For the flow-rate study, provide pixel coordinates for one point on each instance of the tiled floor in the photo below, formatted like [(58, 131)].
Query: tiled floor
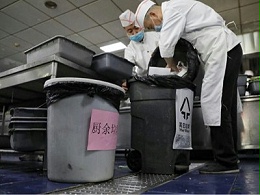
[(18, 177), (245, 182)]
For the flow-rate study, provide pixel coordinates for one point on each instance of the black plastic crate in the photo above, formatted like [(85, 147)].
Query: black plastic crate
[(254, 88), (112, 66)]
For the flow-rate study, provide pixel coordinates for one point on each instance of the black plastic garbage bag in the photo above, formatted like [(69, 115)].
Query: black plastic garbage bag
[(166, 81), (185, 53), (62, 90)]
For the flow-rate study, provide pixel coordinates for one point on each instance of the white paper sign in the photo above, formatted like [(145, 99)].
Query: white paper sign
[(184, 107), (159, 71)]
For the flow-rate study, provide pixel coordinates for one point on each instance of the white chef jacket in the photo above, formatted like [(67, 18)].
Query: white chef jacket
[(140, 53), (206, 31), (183, 16)]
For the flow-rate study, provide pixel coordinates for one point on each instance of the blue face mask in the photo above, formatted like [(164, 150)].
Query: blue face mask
[(138, 37), (157, 28)]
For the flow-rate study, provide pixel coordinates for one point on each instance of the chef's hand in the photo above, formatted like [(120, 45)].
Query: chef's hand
[(171, 64), (124, 86), (173, 68)]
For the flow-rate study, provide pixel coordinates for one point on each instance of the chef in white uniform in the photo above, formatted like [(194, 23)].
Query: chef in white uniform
[(221, 54), (141, 46)]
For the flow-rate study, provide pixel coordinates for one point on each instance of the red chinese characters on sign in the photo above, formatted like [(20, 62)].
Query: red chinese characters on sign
[(102, 133)]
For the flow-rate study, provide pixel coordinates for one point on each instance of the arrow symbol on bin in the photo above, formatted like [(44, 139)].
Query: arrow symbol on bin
[(185, 108)]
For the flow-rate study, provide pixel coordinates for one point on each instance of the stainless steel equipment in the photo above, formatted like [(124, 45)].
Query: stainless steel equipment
[(248, 123)]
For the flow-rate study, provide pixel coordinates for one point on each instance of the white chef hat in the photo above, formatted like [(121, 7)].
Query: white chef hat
[(141, 11), (127, 18)]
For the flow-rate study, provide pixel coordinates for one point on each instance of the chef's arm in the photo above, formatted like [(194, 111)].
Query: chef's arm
[(171, 64)]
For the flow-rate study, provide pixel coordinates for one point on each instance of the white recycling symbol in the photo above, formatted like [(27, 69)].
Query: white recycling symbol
[(185, 108)]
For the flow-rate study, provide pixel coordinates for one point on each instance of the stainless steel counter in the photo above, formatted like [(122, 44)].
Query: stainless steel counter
[(25, 82)]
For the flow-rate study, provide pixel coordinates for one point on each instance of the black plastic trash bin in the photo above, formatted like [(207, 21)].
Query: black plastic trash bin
[(159, 107), (153, 127)]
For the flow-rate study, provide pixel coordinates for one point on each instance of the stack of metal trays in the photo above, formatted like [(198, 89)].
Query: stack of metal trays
[(27, 129)]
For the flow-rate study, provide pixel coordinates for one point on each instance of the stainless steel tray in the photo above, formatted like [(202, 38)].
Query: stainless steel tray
[(17, 118), (28, 112), (62, 47), (28, 124)]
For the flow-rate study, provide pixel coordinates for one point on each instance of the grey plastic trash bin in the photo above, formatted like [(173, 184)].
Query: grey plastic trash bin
[(69, 117)]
